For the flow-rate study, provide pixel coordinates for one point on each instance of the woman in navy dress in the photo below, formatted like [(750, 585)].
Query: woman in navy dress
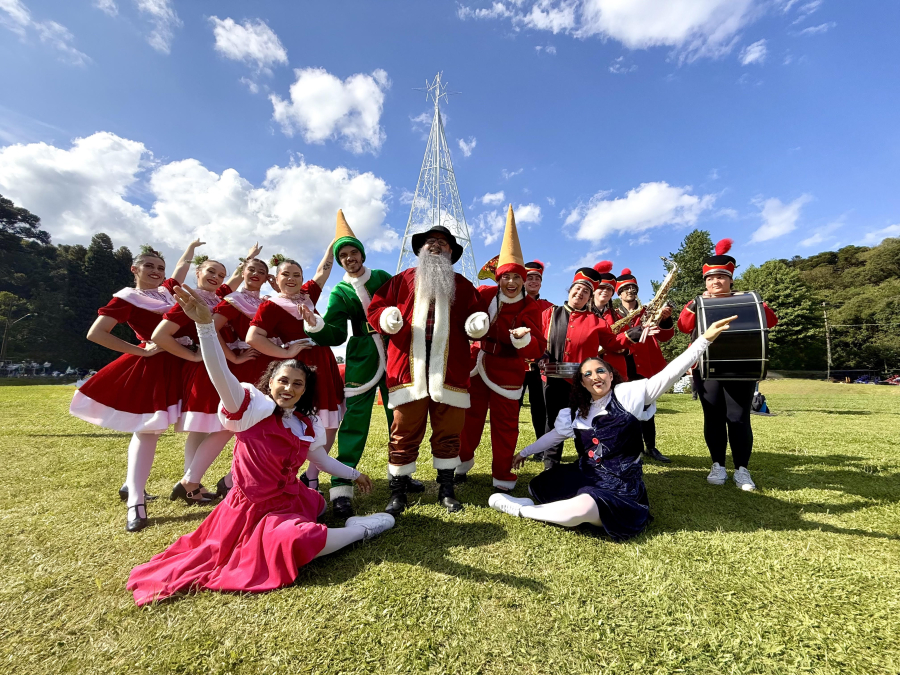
[(605, 486)]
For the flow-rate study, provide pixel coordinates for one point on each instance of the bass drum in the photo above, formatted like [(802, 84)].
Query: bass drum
[(742, 351)]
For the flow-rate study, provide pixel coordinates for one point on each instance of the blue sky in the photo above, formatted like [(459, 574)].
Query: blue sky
[(614, 128)]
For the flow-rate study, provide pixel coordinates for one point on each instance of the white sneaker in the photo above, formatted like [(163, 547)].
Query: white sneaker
[(506, 504), (373, 525), (743, 480), (717, 475)]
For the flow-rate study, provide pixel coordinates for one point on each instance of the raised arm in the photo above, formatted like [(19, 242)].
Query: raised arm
[(323, 271), (183, 266)]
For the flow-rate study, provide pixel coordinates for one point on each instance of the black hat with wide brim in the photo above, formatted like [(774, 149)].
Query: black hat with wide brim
[(418, 241)]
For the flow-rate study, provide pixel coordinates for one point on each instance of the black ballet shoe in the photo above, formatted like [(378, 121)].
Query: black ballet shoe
[(123, 495), (415, 486), (656, 455), (342, 507), (311, 483), (136, 523), (221, 489), (192, 498), (446, 496), (502, 490), (211, 496), (459, 478)]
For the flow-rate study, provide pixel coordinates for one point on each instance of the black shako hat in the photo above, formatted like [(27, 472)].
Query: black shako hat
[(418, 241)]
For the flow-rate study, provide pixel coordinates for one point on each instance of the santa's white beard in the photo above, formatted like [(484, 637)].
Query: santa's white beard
[(435, 277)]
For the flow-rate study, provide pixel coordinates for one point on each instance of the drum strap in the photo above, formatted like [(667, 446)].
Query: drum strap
[(559, 327)]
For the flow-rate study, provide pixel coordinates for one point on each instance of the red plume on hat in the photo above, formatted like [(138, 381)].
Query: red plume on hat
[(720, 263), (723, 246), (604, 266), (625, 272)]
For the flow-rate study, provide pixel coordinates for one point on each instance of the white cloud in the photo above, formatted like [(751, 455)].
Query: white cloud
[(108, 6), (490, 225), (778, 218), (589, 259), (250, 42), (496, 11), (467, 147), (15, 16), (618, 67), (823, 234), (821, 28), (876, 237), (509, 174), (730, 213), (557, 16), (755, 53), (805, 10), (162, 16), (551, 201), (548, 49), (321, 107), (493, 198), (650, 205), (86, 189), (406, 197)]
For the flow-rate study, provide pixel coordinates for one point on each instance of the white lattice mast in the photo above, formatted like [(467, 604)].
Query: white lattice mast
[(436, 201)]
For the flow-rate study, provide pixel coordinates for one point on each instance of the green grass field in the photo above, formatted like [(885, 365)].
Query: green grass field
[(801, 576)]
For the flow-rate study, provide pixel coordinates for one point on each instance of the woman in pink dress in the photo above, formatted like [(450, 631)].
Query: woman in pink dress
[(140, 391), (279, 317), (266, 528)]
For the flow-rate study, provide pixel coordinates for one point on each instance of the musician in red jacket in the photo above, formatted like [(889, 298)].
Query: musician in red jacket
[(534, 385), (429, 313), (726, 403), (644, 359), (498, 366), (603, 307)]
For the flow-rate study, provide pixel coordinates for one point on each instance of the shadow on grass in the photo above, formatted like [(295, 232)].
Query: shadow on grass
[(421, 541), (681, 499), (667, 411), (111, 434), (830, 412)]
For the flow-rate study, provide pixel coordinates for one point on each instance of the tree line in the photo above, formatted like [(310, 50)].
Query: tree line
[(62, 286)]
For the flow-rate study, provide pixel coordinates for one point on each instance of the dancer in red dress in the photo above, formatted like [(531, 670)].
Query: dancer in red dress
[(266, 528), (140, 391), (205, 434), (279, 317)]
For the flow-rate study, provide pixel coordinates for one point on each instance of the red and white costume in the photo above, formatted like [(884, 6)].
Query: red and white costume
[(647, 355), (574, 335), (497, 377), (139, 394), (240, 308), (281, 319)]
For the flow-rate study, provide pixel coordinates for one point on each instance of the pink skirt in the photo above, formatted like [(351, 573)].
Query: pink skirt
[(241, 546), (133, 393), (329, 387)]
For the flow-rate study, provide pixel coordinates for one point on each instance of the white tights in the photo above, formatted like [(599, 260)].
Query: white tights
[(567, 512), (200, 451), (312, 471), (339, 537), (141, 451)]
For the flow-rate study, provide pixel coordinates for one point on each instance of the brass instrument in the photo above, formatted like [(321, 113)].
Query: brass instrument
[(653, 309)]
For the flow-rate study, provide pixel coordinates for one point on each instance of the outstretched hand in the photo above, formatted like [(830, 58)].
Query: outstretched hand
[(192, 304), (719, 327), (254, 251), (308, 315), (364, 483), (518, 461)]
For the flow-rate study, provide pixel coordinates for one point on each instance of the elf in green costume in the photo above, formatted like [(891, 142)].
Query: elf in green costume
[(365, 359)]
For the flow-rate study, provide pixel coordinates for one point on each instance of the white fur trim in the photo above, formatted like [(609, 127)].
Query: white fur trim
[(440, 338), (391, 320), (446, 463), (457, 399), (402, 470), (465, 467), (86, 408), (359, 285), (206, 423), (505, 484), (511, 394), (477, 325), (340, 491), (506, 300), (314, 328), (522, 342), (360, 282)]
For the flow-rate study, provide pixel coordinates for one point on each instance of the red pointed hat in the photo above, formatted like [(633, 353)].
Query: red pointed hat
[(587, 276), (720, 263), (604, 269), (624, 279)]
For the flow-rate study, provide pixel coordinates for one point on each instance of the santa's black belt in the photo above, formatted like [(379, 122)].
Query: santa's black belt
[(499, 349)]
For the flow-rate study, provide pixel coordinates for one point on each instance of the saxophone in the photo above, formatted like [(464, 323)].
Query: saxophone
[(653, 309)]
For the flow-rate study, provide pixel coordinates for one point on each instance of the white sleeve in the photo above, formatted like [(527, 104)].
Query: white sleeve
[(320, 458), (254, 408), (230, 390), (562, 429)]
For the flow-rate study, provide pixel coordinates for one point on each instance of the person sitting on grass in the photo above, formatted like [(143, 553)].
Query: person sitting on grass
[(265, 529), (605, 487)]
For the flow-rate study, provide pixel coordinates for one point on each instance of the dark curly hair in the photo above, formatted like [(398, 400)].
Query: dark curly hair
[(306, 405), (580, 398)]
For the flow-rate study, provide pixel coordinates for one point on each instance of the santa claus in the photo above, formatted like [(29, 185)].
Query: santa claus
[(429, 313)]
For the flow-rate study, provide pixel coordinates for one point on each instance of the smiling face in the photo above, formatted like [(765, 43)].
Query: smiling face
[(628, 293), (210, 275), (718, 284), (437, 244), (511, 284), (149, 272), (286, 386), (533, 283), (255, 274), (579, 295), (290, 278), (596, 377), (602, 295), (350, 258)]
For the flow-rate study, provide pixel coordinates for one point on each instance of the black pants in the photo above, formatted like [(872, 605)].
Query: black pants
[(556, 396), (534, 385), (726, 417)]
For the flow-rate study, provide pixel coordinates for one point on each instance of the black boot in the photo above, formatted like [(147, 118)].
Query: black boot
[(460, 478), (415, 485), (446, 496), (342, 507), (656, 455), (399, 487)]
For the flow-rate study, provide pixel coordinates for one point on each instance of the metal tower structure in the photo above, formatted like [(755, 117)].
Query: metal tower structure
[(436, 201)]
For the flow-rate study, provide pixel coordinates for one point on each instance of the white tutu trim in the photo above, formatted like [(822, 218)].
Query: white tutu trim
[(331, 419), (91, 411), (206, 423)]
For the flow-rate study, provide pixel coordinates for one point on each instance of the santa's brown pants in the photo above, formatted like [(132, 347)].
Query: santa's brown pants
[(408, 430)]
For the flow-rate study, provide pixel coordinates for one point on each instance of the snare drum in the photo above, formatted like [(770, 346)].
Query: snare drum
[(742, 351), (562, 369)]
